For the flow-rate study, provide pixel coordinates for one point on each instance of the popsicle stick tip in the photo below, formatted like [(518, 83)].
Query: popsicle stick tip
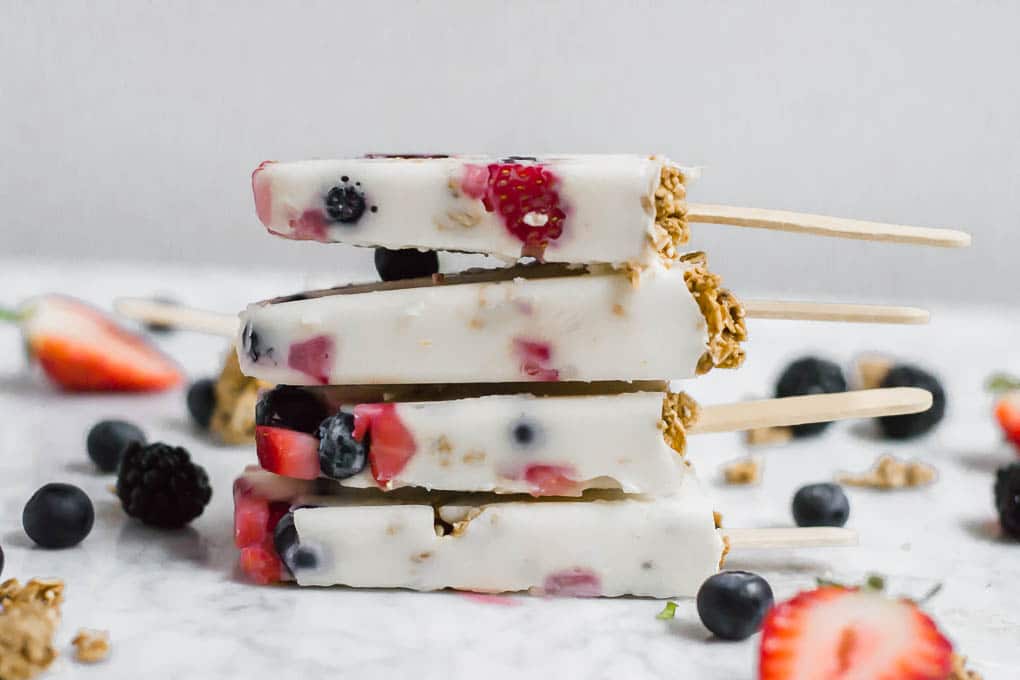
[(832, 311), (176, 316), (822, 225)]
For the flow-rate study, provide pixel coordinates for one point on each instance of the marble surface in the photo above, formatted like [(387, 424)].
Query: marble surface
[(175, 604)]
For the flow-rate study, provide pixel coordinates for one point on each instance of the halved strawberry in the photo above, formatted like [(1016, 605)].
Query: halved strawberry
[(81, 349), (850, 634), (287, 452), (1007, 411), (392, 444)]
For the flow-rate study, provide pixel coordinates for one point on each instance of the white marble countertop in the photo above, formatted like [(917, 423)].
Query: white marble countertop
[(175, 605)]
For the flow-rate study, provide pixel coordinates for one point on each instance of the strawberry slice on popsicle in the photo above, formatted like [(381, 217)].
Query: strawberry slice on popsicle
[(83, 350)]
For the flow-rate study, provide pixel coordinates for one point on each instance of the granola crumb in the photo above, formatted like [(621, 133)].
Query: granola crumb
[(233, 418), (890, 472), (870, 370), (679, 412), (723, 313), (743, 471), (725, 551), (91, 646), (717, 519), (959, 670), (766, 436), (670, 229), (28, 621)]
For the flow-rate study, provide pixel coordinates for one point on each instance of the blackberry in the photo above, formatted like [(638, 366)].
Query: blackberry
[(810, 375), (345, 203), (292, 408), (406, 263), (913, 424), (1007, 498), (159, 485), (340, 454)]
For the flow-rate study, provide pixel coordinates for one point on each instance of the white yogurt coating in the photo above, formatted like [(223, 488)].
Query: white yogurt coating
[(421, 203), (522, 444), (629, 545), (578, 328)]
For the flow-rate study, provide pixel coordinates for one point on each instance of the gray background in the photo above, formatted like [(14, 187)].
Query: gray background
[(128, 129)]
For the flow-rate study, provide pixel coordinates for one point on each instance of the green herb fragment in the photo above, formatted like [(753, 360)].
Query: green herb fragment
[(1002, 382), (668, 612), (10, 315), (874, 582)]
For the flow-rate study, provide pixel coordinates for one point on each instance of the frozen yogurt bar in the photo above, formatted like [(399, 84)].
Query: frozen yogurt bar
[(507, 444), (605, 544), (544, 323), (581, 209)]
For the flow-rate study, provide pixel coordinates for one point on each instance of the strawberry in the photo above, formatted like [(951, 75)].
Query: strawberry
[(551, 480), (261, 564), (525, 196), (313, 357), (835, 633), (83, 350), (287, 452), (1007, 411), (391, 444), (255, 519)]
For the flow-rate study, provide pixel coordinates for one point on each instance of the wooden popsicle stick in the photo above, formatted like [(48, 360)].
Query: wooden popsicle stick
[(826, 311), (811, 408), (790, 537), (176, 316), (820, 225)]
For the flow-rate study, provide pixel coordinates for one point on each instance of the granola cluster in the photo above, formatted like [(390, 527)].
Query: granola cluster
[(890, 472), (743, 471), (679, 411), (723, 315), (29, 616), (671, 229), (233, 419)]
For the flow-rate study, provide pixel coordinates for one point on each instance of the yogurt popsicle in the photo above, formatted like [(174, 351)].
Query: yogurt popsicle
[(623, 209), (606, 544), (507, 444), (564, 325)]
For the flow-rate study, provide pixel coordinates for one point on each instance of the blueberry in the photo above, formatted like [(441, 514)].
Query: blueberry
[(292, 408), (1, 560), (340, 454), (733, 604), (525, 432), (516, 159), (288, 546), (107, 441), (251, 343), (58, 516), (202, 401), (913, 424), (408, 263), (810, 375), (345, 203), (820, 505), (1007, 498)]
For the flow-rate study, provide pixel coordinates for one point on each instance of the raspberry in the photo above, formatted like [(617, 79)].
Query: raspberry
[(525, 196)]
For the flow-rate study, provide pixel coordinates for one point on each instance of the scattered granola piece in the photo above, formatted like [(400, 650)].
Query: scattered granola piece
[(233, 417), (743, 471), (91, 646), (870, 370), (890, 472), (960, 671), (28, 620), (767, 436)]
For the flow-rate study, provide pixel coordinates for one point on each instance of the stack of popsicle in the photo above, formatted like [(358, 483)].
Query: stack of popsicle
[(512, 428)]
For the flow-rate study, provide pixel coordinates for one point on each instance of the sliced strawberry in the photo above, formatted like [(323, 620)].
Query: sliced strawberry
[(392, 444), (851, 635), (251, 515), (576, 582), (551, 480), (261, 564), (1007, 411), (313, 357), (81, 349), (287, 452)]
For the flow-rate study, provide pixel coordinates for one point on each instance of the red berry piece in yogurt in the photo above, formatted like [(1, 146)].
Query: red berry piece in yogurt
[(313, 357)]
